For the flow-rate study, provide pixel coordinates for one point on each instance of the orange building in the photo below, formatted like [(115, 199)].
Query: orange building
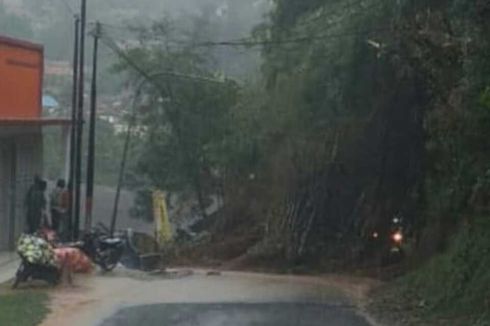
[(21, 124)]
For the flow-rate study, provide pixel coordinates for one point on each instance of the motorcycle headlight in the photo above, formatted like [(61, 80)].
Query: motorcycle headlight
[(397, 237)]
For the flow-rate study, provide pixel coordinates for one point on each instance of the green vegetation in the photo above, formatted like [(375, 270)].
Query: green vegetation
[(364, 110), (23, 308), (189, 117), (452, 286), (458, 281)]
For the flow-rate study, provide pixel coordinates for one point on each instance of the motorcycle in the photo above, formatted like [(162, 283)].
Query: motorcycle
[(102, 248), (397, 237), (37, 261), (390, 245), (27, 271)]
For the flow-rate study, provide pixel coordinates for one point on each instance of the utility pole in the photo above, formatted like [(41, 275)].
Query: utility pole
[(91, 141), (74, 125), (81, 75)]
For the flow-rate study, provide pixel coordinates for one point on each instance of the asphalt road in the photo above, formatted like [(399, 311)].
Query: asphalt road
[(264, 314), (104, 204), (197, 298)]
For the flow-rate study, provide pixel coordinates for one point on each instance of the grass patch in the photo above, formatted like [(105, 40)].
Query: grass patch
[(22, 307)]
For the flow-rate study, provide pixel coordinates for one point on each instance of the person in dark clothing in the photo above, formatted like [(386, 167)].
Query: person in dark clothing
[(58, 206), (29, 205), (35, 203)]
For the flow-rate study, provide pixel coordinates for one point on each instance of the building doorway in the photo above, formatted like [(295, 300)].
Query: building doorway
[(7, 195)]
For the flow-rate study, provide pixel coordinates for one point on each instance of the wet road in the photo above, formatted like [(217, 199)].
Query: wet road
[(127, 298), (264, 314)]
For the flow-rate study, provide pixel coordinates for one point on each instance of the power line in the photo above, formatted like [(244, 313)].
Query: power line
[(111, 44), (251, 42), (300, 23), (243, 42), (247, 41), (305, 39)]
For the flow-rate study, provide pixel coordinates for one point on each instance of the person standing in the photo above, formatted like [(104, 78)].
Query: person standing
[(57, 202), (35, 203), (65, 208)]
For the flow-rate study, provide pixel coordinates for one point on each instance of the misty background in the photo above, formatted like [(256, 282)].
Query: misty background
[(51, 23)]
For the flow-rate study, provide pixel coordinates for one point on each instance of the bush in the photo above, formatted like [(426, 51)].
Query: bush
[(457, 282)]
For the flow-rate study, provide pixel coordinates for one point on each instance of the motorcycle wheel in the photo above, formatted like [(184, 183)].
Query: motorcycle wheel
[(16, 283), (54, 277), (110, 260), (108, 267), (53, 281), (19, 276)]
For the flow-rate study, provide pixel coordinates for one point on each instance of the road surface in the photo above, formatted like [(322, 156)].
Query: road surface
[(241, 299), (243, 314)]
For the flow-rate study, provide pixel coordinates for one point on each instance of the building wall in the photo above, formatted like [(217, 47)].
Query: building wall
[(21, 68), (5, 193), (20, 160)]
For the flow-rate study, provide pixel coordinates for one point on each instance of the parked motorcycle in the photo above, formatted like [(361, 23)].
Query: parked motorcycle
[(28, 271), (37, 261), (101, 248)]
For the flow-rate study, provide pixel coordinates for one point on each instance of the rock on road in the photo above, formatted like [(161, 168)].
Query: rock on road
[(231, 298)]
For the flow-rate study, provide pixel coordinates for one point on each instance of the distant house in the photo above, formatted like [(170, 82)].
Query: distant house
[(21, 123), (58, 68), (51, 107), (50, 102)]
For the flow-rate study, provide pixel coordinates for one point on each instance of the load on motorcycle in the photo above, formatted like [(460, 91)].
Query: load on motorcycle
[(36, 250), (44, 259), (38, 261)]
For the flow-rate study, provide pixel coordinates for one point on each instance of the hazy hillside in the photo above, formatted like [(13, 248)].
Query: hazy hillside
[(50, 22)]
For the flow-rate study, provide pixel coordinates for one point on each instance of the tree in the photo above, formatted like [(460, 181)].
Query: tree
[(183, 118)]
